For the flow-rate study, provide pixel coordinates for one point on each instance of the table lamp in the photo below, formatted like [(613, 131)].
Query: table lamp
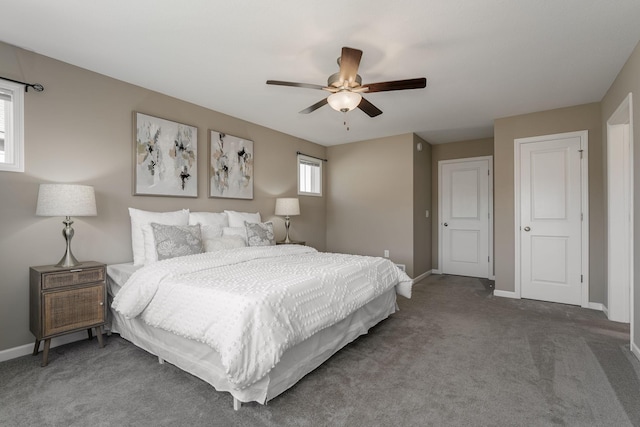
[(287, 207), (66, 200)]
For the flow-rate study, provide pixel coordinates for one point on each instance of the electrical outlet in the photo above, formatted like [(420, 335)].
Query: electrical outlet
[(427, 214), (386, 253)]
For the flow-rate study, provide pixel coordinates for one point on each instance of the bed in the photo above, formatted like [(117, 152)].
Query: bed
[(252, 321)]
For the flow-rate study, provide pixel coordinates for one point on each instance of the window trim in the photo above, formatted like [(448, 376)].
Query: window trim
[(307, 159), (15, 142)]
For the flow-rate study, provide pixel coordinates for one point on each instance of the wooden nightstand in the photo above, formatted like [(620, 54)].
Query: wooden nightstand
[(64, 300), (293, 242)]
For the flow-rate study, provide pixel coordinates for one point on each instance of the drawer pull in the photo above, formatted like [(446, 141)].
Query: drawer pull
[(101, 303)]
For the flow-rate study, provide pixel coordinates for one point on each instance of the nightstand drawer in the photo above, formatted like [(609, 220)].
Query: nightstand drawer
[(72, 277), (72, 309)]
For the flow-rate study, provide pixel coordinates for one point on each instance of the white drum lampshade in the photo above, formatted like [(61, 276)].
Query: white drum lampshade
[(66, 200), (287, 207)]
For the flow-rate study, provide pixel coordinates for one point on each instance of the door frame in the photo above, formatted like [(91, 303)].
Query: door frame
[(490, 204), (584, 195), (623, 116)]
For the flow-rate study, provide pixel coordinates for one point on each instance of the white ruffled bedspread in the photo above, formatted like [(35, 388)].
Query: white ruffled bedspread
[(251, 304)]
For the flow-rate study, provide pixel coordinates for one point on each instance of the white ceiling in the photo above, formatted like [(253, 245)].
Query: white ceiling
[(483, 59)]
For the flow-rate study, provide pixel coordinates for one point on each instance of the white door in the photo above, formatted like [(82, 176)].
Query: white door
[(464, 217), (550, 219)]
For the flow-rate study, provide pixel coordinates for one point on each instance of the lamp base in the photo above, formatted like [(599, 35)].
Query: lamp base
[(68, 260), (287, 222)]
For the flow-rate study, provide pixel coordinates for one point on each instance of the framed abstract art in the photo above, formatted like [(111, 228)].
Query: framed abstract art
[(165, 157), (230, 166)]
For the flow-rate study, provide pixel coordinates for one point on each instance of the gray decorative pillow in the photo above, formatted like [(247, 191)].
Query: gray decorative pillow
[(260, 234), (177, 240)]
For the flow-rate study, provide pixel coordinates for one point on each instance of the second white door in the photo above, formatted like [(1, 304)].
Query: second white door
[(551, 218), (464, 220)]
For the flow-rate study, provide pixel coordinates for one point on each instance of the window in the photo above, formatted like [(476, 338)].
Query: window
[(11, 126), (309, 176)]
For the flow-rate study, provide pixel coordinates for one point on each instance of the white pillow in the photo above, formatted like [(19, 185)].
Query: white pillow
[(235, 231), (237, 219), (224, 242), (141, 219), (218, 219), (210, 231)]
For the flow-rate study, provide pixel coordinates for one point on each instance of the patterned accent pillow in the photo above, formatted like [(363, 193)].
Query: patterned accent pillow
[(140, 221), (177, 240), (260, 234)]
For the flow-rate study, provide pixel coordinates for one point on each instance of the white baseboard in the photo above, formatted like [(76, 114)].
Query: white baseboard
[(420, 277), (23, 350), (605, 310), (596, 306), (635, 350), (506, 294)]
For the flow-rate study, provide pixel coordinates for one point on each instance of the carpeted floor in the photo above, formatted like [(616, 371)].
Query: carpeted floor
[(454, 355)]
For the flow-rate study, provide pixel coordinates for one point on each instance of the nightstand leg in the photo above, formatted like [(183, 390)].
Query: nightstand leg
[(45, 353), (36, 348), (90, 334), (99, 335)]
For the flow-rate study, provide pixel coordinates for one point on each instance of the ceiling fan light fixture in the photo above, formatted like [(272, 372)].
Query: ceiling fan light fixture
[(346, 86), (344, 100)]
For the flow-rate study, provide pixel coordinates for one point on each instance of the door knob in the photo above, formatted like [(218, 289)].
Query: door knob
[(446, 225), (527, 228)]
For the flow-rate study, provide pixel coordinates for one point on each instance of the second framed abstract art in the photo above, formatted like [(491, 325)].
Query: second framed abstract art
[(230, 166)]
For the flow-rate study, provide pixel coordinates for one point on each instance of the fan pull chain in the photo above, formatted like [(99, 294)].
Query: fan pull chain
[(345, 121)]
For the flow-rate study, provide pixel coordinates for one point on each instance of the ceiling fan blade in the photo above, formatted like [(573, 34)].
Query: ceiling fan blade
[(293, 84), (370, 109), (349, 63), (315, 106), (397, 85)]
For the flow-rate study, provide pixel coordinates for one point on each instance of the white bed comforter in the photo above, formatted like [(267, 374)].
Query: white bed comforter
[(251, 304)]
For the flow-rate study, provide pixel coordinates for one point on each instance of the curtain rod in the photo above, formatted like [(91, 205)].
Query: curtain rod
[(313, 157), (36, 86)]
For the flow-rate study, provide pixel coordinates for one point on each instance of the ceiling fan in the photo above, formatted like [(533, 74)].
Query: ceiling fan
[(346, 86)]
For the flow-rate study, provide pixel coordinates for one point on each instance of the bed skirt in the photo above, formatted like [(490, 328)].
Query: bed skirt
[(203, 362)]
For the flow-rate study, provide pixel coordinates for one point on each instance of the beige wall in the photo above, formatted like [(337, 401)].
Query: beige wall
[(628, 80), (370, 198), (421, 204), (581, 117), (79, 130), (450, 151)]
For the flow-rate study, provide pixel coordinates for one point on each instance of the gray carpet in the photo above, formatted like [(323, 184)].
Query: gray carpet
[(454, 355)]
